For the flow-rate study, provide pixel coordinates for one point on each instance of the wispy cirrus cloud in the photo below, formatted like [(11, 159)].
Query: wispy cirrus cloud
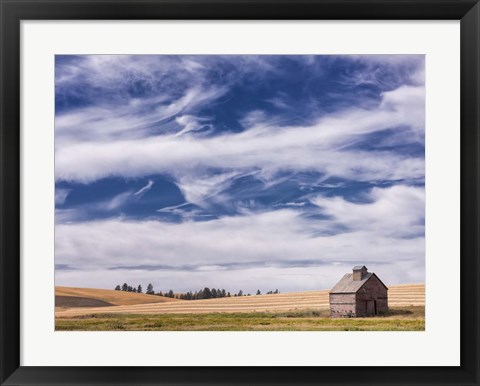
[(373, 233), (144, 189), (61, 195), (234, 169), (320, 147)]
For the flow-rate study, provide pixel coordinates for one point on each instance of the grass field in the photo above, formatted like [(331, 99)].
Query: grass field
[(398, 319), (300, 311)]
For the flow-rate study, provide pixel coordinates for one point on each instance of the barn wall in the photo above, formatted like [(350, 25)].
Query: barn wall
[(360, 308), (355, 305), (382, 305), (372, 290), (342, 305)]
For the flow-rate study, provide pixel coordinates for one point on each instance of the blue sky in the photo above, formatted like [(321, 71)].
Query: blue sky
[(240, 172)]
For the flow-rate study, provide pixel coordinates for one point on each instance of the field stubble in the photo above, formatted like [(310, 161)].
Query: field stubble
[(297, 311), (400, 295)]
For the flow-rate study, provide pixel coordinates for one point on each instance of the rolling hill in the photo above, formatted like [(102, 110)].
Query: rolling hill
[(73, 297), (131, 303)]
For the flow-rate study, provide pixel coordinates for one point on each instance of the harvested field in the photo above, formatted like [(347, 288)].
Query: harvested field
[(113, 298), (76, 301), (399, 296)]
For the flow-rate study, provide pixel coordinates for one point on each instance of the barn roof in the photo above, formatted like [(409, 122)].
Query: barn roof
[(348, 285)]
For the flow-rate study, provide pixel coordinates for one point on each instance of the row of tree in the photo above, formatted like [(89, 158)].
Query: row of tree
[(205, 293), (128, 288)]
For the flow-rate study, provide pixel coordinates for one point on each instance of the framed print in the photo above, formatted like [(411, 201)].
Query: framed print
[(236, 193)]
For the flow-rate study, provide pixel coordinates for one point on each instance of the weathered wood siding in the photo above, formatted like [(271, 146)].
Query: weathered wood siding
[(372, 290), (356, 304), (342, 305)]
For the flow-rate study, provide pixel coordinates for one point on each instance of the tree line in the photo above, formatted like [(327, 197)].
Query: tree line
[(205, 293), (128, 288)]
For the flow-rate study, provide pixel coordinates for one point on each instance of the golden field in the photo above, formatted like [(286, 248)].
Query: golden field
[(295, 311), (68, 297), (131, 303)]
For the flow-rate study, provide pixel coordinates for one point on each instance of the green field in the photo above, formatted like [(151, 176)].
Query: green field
[(397, 319)]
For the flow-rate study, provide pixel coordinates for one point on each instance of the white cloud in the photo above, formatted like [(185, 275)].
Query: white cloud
[(157, 133), (61, 195), (84, 211), (323, 147), (205, 189), (247, 279), (119, 71), (383, 71), (192, 124), (107, 71), (172, 208), (130, 120), (397, 211), (408, 101), (163, 132), (256, 243), (146, 188), (116, 202)]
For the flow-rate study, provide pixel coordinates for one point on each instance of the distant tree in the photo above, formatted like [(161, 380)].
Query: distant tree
[(118, 288), (134, 289), (276, 291), (207, 294), (139, 289), (129, 288), (150, 289), (124, 287)]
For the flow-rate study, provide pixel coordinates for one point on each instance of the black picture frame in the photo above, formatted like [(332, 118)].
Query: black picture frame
[(14, 11)]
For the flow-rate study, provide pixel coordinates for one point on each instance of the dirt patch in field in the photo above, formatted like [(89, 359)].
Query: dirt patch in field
[(75, 301)]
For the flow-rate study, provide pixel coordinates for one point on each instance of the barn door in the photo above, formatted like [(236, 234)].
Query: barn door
[(370, 307)]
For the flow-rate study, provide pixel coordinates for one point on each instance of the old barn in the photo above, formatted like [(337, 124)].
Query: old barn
[(360, 293)]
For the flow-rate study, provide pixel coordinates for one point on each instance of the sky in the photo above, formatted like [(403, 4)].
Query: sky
[(238, 171)]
